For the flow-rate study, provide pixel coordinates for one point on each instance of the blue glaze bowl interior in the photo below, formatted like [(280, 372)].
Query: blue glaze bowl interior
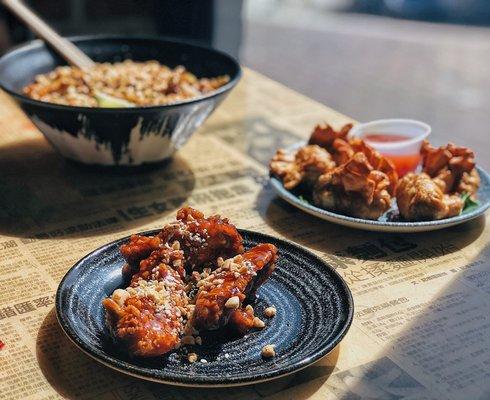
[(118, 136)]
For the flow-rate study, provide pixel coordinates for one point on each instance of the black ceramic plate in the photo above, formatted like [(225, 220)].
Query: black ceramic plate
[(314, 312)]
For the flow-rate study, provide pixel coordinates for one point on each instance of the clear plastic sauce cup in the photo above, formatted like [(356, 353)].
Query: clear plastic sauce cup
[(397, 139)]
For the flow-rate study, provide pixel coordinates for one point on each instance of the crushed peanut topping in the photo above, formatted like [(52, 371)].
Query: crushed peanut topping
[(268, 351), (167, 281), (270, 312), (142, 83), (233, 302), (120, 296), (258, 323)]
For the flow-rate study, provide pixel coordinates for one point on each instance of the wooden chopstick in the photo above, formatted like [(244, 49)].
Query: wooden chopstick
[(63, 46)]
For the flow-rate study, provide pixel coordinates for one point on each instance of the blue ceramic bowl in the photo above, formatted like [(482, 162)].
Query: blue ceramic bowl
[(118, 136)]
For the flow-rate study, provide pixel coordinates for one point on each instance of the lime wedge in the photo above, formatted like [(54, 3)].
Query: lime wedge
[(107, 101)]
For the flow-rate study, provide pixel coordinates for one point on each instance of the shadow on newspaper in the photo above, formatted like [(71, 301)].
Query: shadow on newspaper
[(74, 375), (43, 196), (422, 299)]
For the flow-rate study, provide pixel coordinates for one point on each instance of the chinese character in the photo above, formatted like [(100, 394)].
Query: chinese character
[(24, 307), (7, 312), (354, 275), (338, 261), (43, 302), (159, 207), (366, 251), (222, 194), (138, 212), (377, 269)]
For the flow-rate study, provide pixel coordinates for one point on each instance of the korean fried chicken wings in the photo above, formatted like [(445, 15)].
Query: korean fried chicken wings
[(138, 248), (151, 315), (148, 315), (303, 167), (420, 198), (203, 240), (226, 288), (354, 188), (451, 167)]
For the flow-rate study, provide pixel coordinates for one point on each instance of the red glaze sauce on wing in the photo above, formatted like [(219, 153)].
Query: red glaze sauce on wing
[(179, 283)]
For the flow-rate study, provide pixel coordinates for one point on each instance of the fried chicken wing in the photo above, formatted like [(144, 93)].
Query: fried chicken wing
[(152, 315), (303, 167), (203, 240), (451, 167), (241, 320), (420, 198), (147, 316), (354, 188), (223, 292), (138, 248)]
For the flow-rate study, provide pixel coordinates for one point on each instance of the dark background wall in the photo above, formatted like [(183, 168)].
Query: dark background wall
[(208, 22)]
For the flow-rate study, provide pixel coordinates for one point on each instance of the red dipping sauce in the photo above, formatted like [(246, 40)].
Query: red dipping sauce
[(385, 137), (404, 163)]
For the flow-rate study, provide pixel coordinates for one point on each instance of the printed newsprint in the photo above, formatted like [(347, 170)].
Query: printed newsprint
[(422, 324)]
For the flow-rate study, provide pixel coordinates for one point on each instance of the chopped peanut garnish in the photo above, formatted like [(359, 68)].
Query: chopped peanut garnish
[(268, 351), (258, 323), (146, 83), (233, 302), (120, 296), (270, 312)]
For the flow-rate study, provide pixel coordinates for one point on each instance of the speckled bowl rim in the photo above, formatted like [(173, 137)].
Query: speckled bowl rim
[(203, 381), (37, 43), (366, 223)]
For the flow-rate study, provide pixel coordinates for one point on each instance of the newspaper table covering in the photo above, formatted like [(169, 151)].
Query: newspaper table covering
[(421, 328)]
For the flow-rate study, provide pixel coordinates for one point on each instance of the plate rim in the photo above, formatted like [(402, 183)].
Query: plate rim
[(375, 224), (202, 380)]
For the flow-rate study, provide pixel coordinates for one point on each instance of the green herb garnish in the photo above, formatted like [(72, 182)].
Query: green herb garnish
[(469, 203), (301, 198)]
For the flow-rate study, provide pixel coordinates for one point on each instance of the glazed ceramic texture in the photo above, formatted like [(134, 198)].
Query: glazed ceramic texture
[(118, 136), (314, 312)]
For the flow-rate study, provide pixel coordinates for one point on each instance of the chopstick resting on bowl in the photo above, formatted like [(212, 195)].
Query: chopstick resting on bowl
[(63, 47)]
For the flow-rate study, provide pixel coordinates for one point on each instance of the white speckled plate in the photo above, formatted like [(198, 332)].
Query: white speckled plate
[(383, 224)]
